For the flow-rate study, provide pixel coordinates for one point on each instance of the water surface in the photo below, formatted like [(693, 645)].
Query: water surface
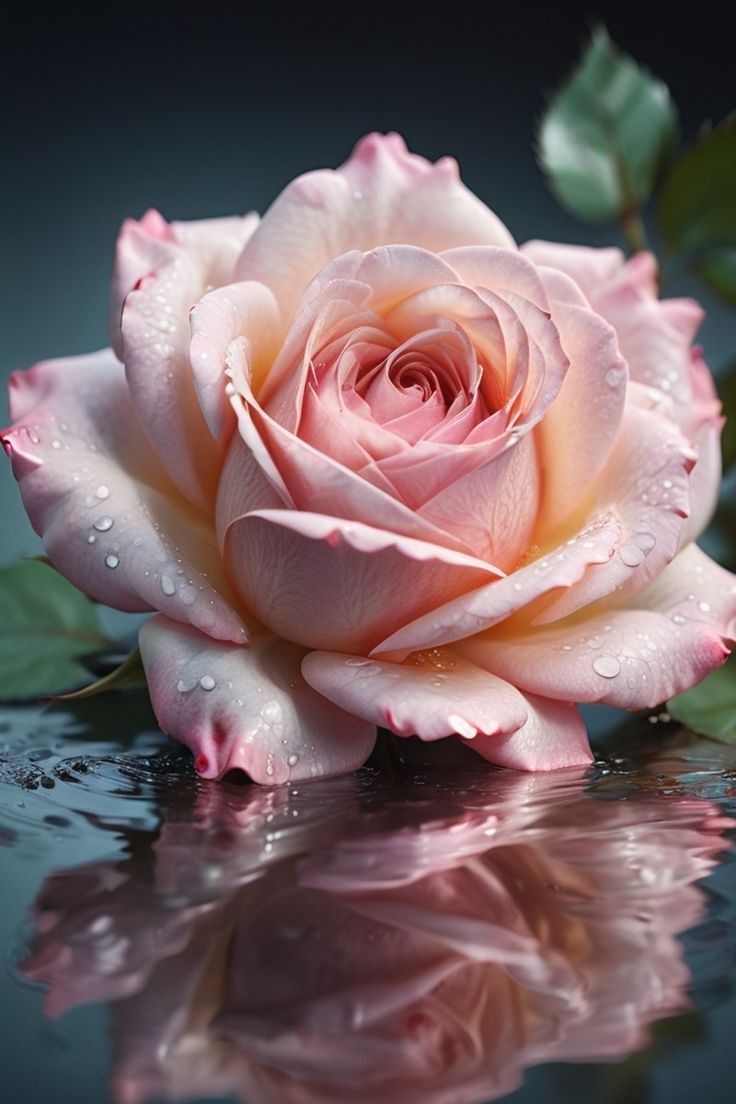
[(413, 934)]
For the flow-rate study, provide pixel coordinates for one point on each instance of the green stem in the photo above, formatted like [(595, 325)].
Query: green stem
[(634, 232)]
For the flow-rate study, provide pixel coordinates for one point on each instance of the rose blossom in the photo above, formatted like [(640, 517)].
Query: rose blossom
[(426, 952), (374, 465)]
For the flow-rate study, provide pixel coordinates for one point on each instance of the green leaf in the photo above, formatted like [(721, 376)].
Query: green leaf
[(696, 210), (606, 133), (718, 268), (126, 675), (46, 626), (710, 709)]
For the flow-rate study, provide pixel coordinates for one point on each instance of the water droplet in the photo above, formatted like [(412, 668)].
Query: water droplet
[(91, 538), (207, 682), (33, 437), (56, 444), (185, 685), (606, 665), (111, 560), (631, 554), (168, 585), (138, 542), (358, 662), (103, 492), (678, 619), (517, 586), (645, 541), (102, 524), (271, 711), (293, 760), (614, 376), (704, 607)]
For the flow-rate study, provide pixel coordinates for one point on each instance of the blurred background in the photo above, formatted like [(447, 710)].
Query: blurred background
[(210, 110)]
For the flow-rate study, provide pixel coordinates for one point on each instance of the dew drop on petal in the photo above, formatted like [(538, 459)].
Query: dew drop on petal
[(606, 665), (103, 492), (168, 585), (631, 554), (111, 560), (207, 682), (102, 524), (293, 760)]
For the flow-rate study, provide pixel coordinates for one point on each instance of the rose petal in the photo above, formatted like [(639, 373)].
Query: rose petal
[(590, 268), (492, 509), (145, 245), (247, 708), (155, 346), (248, 311), (382, 195), (646, 485), (96, 493), (314, 481), (703, 425), (498, 270), (633, 658), (497, 600), (446, 696), (579, 428), (331, 583)]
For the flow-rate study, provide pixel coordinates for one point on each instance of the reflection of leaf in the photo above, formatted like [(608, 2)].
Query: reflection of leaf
[(696, 209), (606, 133), (46, 626), (126, 675), (718, 268), (710, 709)]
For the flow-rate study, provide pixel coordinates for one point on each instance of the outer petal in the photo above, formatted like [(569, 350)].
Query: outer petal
[(146, 244), (96, 493), (580, 427), (497, 600), (590, 268), (331, 583), (155, 343), (451, 696), (703, 426), (646, 486), (382, 195), (247, 708), (634, 658)]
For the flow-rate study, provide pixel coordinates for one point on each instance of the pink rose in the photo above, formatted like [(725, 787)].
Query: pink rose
[(374, 465), (421, 951)]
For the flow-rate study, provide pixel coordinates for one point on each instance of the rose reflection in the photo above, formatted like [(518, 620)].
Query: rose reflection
[(340, 943)]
